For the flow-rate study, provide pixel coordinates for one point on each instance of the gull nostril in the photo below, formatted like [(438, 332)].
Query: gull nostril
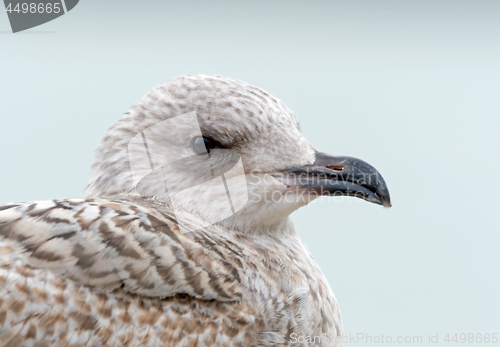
[(336, 167)]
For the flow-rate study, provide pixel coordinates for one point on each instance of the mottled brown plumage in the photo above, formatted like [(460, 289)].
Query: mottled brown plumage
[(118, 272)]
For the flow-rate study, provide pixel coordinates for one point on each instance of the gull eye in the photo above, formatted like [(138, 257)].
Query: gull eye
[(202, 145)]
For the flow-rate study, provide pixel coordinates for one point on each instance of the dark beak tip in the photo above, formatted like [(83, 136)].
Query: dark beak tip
[(382, 193), (385, 199)]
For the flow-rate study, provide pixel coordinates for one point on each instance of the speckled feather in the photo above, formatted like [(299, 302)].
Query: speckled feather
[(113, 269)]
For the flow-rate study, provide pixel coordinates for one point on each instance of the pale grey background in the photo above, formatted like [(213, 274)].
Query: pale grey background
[(410, 86)]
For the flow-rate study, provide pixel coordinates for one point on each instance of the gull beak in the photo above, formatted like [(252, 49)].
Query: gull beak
[(339, 175)]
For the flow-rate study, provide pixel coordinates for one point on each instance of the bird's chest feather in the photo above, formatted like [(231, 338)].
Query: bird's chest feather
[(292, 293)]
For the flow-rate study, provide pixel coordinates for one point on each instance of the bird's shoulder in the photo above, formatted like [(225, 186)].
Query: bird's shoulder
[(121, 243)]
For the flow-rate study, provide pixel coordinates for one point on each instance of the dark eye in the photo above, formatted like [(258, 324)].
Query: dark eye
[(202, 145)]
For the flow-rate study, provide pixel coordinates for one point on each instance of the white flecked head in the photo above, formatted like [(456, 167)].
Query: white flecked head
[(239, 117)]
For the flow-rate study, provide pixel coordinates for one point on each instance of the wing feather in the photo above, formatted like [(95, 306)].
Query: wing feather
[(108, 244)]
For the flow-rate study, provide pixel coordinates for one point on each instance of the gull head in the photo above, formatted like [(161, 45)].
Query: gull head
[(225, 152)]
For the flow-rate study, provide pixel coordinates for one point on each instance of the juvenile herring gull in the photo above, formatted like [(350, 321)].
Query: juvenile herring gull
[(184, 236)]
